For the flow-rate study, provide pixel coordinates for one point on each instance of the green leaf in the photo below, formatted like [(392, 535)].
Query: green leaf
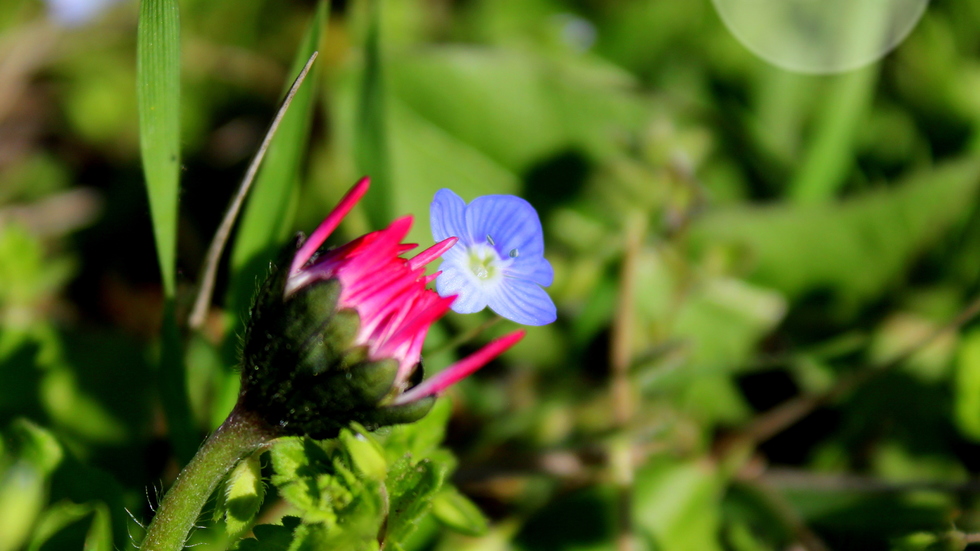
[(459, 513), (487, 98), (365, 453), (411, 487), (30, 455), (422, 438), (242, 496), (303, 474), (268, 214), (271, 537), (370, 132), (158, 96), (830, 156), (967, 404), (317, 478), (316, 537), (64, 514), (856, 247), (677, 503), (172, 378)]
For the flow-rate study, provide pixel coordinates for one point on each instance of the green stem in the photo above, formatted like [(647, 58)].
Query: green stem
[(241, 434)]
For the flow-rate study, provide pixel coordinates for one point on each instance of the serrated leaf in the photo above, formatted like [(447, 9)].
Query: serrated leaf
[(302, 474), (243, 495), (411, 487), (270, 537), (459, 513), (317, 478), (269, 211), (316, 537), (158, 96), (366, 454)]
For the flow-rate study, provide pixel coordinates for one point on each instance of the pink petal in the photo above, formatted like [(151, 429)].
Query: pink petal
[(461, 369), (431, 253), (424, 317), (329, 224)]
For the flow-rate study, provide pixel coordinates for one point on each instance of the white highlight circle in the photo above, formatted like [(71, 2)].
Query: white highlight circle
[(820, 36)]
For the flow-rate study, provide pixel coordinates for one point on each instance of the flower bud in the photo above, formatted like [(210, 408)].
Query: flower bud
[(335, 335)]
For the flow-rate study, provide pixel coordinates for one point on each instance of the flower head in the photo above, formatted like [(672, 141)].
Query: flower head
[(499, 258), (73, 13), (336, 335)]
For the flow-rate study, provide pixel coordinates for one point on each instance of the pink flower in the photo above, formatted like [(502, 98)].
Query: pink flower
[(378, 350)]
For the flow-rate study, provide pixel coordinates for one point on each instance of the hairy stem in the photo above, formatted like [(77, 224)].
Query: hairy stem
[(241, 434)]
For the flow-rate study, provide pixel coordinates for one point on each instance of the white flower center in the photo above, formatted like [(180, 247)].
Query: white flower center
[(485, 263)]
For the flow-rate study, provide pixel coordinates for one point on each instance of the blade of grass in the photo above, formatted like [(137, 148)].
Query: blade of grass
[(370, 138), (268, 214), (830, 156), (158, 96), (224, 230)]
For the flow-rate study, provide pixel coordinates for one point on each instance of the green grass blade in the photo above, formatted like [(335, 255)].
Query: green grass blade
[(370, 138), (268, 214), (158, 96), (210, 269), (830, 156)]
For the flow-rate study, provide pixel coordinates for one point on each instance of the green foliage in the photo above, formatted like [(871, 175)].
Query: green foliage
[(242, 496), (412, 485), (30, 455), (63, 514), (158, 93), (968, 386), (456, 511), (677, 504), (371, 132), (803, 248), (804, 233), (268, 215), (357, 491)]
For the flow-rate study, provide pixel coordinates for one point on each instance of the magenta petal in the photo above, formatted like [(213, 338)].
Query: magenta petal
[(431, 253), (329, 224), (461, 369)]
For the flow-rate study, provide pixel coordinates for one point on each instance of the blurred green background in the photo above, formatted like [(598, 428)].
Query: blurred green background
[(766, 281)]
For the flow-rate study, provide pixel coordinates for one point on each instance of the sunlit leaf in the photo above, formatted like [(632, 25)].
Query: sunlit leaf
[(158, 93)]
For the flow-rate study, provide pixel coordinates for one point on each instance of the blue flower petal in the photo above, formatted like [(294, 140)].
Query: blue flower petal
[(510, 227), (454, 280), (447, 214), (536, 269), (522, 301), (511, 222)]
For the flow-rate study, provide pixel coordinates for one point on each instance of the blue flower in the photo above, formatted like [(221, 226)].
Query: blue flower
[(74, 13), (499, 259)]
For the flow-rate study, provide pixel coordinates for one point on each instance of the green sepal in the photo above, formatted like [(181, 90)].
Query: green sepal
[(371, 381), (398, 415), (331, 346)]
